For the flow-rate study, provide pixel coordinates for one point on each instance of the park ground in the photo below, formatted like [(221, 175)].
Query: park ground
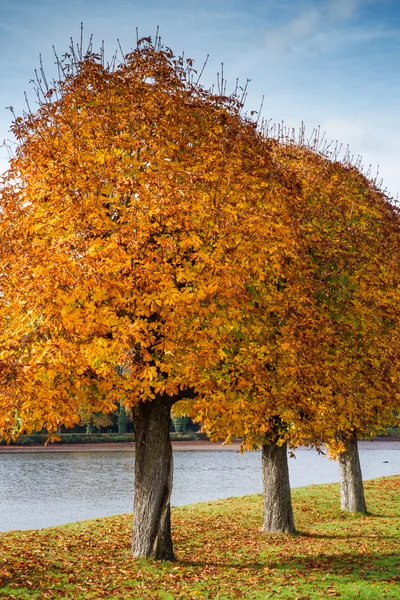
[(221, 553)]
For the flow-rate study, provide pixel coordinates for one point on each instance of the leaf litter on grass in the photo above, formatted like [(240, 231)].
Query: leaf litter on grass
[(222, 554)]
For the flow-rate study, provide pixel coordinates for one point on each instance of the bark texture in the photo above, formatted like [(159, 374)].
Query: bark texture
[(151, 536), (351, 484), (278, 511)]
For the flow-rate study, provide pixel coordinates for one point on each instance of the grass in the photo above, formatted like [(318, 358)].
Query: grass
[(222, 555)]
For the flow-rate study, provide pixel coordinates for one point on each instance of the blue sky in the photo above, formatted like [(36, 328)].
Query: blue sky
[(328, 63)]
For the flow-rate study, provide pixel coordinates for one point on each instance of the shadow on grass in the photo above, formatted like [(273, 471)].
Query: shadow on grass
[(345, 536), (365, 565), (366, 568), (369, 567)]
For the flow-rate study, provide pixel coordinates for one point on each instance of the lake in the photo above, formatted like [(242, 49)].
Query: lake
[(42, 489)]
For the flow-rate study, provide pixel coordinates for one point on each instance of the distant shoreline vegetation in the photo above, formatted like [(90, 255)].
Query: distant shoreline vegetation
[(39, 439)]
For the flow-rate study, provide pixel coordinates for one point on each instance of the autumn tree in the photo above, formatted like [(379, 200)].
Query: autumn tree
[(137, 224), (259, 394), (156, 247), (95, 420), (328, 370), (352, 231)]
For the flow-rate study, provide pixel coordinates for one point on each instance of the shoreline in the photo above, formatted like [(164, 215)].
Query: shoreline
[(177, 446), (185, 445)]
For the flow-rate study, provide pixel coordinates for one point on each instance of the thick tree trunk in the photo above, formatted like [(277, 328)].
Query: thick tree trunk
[(351, 484), (278, 511), (151, 537)]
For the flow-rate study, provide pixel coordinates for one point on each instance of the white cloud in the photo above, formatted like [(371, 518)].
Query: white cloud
[(286, 37), (341, 9), (319, 26)]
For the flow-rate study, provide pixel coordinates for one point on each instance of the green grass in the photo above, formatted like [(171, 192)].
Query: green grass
[(222, 555)]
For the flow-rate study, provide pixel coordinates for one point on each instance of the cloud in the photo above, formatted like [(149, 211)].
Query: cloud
[(339, 10), (282, 40), (309, 28)]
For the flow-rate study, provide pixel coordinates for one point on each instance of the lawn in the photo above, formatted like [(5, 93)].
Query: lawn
[(221, 553)]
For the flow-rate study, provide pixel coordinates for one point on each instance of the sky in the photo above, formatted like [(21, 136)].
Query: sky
[(332, 64)]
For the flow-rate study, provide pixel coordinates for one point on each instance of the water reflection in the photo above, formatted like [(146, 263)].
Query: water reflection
[(44, 489)]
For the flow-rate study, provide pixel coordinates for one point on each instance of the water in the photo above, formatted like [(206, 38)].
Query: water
[(43, 489)]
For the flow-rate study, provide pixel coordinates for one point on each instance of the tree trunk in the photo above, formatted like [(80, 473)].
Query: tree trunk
[(351, 484), (278, 511), (151, 536), (121, 418)]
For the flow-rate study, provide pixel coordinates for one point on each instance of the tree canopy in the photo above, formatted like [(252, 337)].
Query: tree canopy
[(322, 364), (138, 221), (156, 246), (154, 241)]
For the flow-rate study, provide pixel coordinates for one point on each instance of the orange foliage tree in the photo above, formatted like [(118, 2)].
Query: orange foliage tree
[(137, 225), (352, 231), (321, 365), (156, 247)]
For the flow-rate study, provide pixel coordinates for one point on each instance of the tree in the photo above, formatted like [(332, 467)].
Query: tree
[(329, 371), (352, 497), (352, 230), (156, 247), (258, 395), (136, 225), (94, 421), (122, 418)]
